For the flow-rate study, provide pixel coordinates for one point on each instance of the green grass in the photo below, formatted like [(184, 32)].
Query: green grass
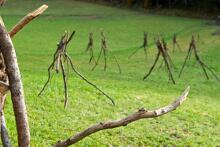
[(195, 123)]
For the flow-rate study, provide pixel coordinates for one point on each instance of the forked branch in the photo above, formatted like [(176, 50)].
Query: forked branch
[(140, 114), (28, 18)]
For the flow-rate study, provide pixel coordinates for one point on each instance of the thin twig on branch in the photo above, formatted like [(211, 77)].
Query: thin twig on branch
[(28, 18), (140, 114)]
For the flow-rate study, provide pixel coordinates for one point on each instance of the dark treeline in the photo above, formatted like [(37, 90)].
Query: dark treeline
[(210, 6)]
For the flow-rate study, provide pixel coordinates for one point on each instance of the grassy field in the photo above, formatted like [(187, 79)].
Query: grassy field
[(196, 123)]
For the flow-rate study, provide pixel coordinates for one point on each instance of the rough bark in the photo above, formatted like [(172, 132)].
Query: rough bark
[(140, 114), (16, 88)]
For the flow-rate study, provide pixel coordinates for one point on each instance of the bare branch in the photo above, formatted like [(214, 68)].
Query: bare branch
[(16, 87), (140, 114), (28, 18)]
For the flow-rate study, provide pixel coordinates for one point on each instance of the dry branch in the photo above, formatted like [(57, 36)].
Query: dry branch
[(89, 48), (16, 87), (28, 18), (192, 47), (175, 43), (162, 51), (105, 51), (60, 57), (144, 46), (140, 114)]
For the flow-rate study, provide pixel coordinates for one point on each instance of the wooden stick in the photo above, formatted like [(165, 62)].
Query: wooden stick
[(87, 81), (16, 87), (28, 18), (153, 66), (140, 114), (4, 87)]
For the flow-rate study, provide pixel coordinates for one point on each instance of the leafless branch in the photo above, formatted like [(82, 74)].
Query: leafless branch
[(105, 52), (59, 58), (16, 87), (28, 18), (144, 46), (192, 47), (162, 50), (140, 114)]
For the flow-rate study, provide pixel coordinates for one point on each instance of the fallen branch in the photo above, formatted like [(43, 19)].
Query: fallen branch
[(140, 114), (28, 18)]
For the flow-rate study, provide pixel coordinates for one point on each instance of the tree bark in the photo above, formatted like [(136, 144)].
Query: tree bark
[(16, 88)]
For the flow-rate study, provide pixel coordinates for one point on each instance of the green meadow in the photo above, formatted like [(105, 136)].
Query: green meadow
[(195, 123)]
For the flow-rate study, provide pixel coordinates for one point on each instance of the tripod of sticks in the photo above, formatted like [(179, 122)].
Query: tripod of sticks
[(90, 48), (164, 43), (192, 48), (61, 58), (175, 43), (144, 46), (104, 50), (162, 51)]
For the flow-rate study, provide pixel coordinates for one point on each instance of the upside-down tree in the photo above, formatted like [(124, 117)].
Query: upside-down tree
[(61, 59), (11, 80), (104, 50), (205, 67), (144, 46), (162, 50)]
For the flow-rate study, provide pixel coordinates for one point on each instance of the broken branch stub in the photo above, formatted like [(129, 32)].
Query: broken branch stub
[(140, 114), (28, 18)]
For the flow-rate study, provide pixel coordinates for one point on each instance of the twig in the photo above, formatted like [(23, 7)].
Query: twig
[(28, 18), (64, 82), (90, 83), (140, 114), (144, 46), (153, 66), (49, 76)]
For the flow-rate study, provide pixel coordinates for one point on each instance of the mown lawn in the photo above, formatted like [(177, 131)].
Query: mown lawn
[(196, 123)]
